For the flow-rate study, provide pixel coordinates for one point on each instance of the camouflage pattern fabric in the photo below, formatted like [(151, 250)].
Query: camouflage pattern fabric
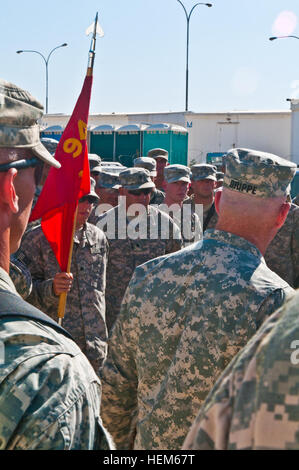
[(183, 318), (213, 220), (282, 255), (126, 254), (85, 307), (21, 277), (50, 395), (157, 197), (254, 404), (296, 200)]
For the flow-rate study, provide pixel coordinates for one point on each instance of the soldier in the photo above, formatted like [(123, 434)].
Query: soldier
[(20, 276), (203, 182), (50, 395), (186, 315), (107, 188), (177, 179), (94, 165), (85, 308), (128, 250), (282, 255), (150, 164), (219, 176), (161, 157), (254, 405)]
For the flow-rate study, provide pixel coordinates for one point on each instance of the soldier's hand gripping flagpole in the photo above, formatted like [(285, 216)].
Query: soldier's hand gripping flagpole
[(58, 202)]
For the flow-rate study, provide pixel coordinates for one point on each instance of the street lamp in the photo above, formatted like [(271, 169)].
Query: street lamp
[(282, 37), (46, 60), (188, 16)]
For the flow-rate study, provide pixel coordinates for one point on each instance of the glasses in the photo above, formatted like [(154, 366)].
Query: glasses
[(90, 199), (24, 164), (138, 192)]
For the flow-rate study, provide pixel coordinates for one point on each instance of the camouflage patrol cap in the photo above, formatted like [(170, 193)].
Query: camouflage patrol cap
[(108, 180), (19, 112), (148, 163), (174, 173), (219, 176), (94, 161), (136, 178), (203, 171), (158, 153), (258, 173), (50, 144), (92, 192)]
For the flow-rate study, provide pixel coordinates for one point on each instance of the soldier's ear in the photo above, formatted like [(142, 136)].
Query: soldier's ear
[(8, 190), (284, 210)]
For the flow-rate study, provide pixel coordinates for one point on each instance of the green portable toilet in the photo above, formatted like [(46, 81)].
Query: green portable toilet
[(169, 137), (129, 143), (102, 141), (52, 132)]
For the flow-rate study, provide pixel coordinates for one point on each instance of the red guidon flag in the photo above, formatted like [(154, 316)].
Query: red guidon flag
[(58, 201)]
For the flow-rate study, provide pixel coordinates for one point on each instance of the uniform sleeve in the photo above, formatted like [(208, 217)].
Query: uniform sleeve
[(175, 241), (119, 379), (31, 253)]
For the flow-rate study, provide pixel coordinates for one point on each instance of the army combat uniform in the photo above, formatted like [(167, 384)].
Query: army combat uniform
[(85, 307), (254, 404), (282, 255), (125, 252), (183, 318)]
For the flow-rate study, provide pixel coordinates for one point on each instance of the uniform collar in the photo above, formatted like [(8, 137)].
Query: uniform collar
[(86, 235), (6, 282), (234, 240)]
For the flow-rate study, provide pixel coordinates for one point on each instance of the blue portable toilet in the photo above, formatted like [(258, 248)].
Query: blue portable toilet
[(53, 132)]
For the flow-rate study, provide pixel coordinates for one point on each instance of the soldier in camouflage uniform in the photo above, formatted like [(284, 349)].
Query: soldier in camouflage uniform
[(150, 164), (50, 395), (161, 157), (94, 161), (254, 404), (186, 315), (20, 276), (282, 255), (126, 252), (177, 179), (107, 188), (85, 307), (203, 183)]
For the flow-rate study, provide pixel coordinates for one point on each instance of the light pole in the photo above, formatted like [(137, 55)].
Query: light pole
[(188, 16), (282, 37), (46, 60)]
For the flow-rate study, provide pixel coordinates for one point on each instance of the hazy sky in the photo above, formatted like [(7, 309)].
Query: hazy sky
[(140, 62)]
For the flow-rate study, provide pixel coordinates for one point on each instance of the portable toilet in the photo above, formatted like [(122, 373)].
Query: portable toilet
[(102, 141), (129, 143), (52, 132), (169, 137)]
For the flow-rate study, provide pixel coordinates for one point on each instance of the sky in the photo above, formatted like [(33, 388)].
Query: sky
[(140, 63)]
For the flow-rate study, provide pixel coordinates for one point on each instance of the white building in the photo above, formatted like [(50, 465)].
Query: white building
[(270, 131)]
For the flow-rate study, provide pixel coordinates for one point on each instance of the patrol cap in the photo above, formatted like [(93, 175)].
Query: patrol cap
[(158, 153), (258, 173), (219, 176), (92, 192), (94, 160), (108, 180), (203, 171), (174, 173), (136, 178), (50, 144), (148, 163), (19, 112)]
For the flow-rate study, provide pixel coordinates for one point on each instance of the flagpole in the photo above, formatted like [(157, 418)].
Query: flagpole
[(89, 73)]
